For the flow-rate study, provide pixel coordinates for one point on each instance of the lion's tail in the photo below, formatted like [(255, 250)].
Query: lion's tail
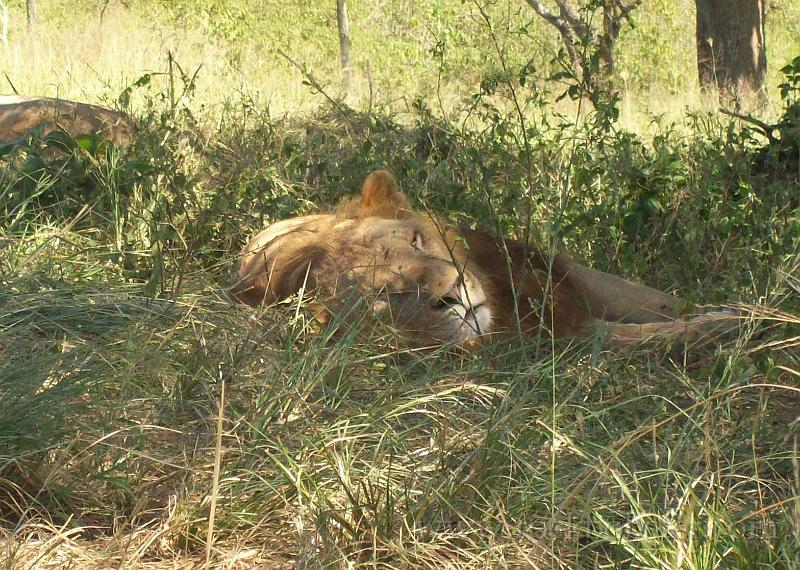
[(704, 328)]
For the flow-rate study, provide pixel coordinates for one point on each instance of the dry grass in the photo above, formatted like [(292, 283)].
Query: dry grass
[(345, 450), (91, 59), (36, 546)]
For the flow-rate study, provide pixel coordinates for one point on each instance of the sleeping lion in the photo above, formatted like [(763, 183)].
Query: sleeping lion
[(21, 115), (438, 283)]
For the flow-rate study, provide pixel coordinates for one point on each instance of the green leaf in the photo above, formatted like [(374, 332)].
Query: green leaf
[(632, 224)]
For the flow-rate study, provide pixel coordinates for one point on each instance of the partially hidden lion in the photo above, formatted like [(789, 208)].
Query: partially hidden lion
[(439, 283), (21, 115)]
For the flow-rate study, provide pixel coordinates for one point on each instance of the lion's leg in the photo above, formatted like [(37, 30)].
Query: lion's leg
[(612, 298)]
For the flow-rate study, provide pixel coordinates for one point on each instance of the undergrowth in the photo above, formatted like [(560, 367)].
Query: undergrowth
[(119, 352)]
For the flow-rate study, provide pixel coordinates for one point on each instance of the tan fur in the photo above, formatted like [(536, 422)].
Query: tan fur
[(21, 115), (439, 283)]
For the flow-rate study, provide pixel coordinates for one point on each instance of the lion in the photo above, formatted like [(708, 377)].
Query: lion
[(439, 283), (21, 115)]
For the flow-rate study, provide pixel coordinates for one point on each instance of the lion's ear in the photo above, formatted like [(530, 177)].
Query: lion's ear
[(382, 196)]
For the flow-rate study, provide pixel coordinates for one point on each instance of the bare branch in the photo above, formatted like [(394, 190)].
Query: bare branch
[(767, 130), (316, 85), (626, 9), (344, 45), (582, 39), (542, 10), (571, 16), (564, 28)]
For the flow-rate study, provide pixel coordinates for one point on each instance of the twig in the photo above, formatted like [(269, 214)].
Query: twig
[(370, 82), (13, 87), (215, 480), (572, 17), (767, 129), (313, 82), (626, 9)]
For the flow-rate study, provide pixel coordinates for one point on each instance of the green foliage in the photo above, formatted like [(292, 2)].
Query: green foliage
[(790, 87), (782, 151), (57, 171), (789, 125), (341, 448)]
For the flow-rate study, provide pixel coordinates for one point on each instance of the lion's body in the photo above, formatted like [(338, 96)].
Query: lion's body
[(21, 115), (439, 283), (562, 313)]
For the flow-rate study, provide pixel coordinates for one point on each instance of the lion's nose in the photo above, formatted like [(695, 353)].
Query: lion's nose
[(455, 295)]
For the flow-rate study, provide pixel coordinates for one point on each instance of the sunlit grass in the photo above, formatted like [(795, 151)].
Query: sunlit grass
[(343, 447), (342, 450), (87, 58)]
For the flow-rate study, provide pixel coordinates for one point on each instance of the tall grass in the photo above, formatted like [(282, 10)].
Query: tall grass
[(342, 446)]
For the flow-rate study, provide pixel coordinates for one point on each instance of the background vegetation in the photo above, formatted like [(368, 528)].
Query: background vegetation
[(145, 419), (408, 46)]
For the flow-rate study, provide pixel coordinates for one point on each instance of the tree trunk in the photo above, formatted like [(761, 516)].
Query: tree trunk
[(33, 16), (731, 50), (3, 24), (344, 44)]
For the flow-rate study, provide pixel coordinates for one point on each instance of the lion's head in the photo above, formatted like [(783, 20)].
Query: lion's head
[(411, 265)]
